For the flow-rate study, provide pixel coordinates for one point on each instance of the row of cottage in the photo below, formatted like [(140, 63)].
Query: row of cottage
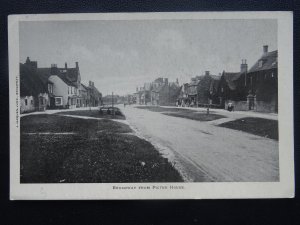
[(248, 89), (54, 88)]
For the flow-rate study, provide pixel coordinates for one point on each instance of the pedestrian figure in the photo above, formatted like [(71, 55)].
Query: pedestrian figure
[(230, 107), (207, 110)]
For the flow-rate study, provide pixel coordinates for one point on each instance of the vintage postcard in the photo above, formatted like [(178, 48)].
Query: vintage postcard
[(151, 105)]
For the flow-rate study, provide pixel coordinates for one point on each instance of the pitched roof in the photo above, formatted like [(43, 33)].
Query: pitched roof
[(269, 61), (230, 78), (85, 87), (45, 73), (65, 79), (214, 84), (72, 74), (30, 82), (194, 82), (215, 77), (158, 88)]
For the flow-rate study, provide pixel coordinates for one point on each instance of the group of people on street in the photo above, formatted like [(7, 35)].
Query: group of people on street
[(185, 103)]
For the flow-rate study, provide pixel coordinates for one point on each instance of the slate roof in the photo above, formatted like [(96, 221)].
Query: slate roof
[(72, 74), (230, 78), (45, 73), (66, 80), (269, 62)]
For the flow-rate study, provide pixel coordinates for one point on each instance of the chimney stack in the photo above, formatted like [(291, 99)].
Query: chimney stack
[(166, 81), (206, 72), (177, 81), (27, 60), (54, 70), (66, 66), (265, 49), (77, 65), (244, 66)]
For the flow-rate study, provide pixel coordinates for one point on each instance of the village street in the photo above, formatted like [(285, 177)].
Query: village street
[(202, 151)]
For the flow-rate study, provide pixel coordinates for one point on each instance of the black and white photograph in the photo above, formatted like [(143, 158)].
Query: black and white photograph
[(143, 105)]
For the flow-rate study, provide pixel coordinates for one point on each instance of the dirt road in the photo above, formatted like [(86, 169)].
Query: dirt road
[(205, 152)]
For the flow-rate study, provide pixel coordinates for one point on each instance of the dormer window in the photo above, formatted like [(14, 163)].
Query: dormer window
[(260, 63)]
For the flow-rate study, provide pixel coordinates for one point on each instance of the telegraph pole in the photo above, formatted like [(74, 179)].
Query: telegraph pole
[(89, 93), (112, 103)]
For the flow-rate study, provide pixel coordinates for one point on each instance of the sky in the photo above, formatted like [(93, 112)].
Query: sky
[(122, 55)]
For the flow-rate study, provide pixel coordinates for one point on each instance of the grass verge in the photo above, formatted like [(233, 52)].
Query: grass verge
[(91, 152), (258, 126), (183, 113), (92, 113), (196, 116), (162, 109)]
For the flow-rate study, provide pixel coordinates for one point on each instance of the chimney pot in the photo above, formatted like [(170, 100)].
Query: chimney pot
[(66, 66), (206, 72), (77, 65)]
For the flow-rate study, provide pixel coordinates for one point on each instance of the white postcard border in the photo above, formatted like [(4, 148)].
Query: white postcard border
[(282, 189)]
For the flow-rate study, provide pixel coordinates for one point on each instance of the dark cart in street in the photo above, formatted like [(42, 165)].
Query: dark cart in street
[(110, 110)]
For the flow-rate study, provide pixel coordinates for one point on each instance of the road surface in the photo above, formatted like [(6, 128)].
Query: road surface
[(204, 152)]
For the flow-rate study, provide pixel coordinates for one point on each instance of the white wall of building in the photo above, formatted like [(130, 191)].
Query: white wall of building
[(27, 104), (60, 88)]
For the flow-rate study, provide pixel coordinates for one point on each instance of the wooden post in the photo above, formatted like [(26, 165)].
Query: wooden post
[(112, 101)]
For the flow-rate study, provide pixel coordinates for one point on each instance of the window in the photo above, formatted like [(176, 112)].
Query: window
[(25, 101), (31, 102), (71, 90), (50, 88), (68, 90), (58, 100)]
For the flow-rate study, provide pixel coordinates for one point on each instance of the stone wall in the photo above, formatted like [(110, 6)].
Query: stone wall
[(27, 104), (259, 106), (238, 105)]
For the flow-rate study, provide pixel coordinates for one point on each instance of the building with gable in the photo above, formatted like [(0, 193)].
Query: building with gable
[(254, 89), (54, 87), (263, 82)]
